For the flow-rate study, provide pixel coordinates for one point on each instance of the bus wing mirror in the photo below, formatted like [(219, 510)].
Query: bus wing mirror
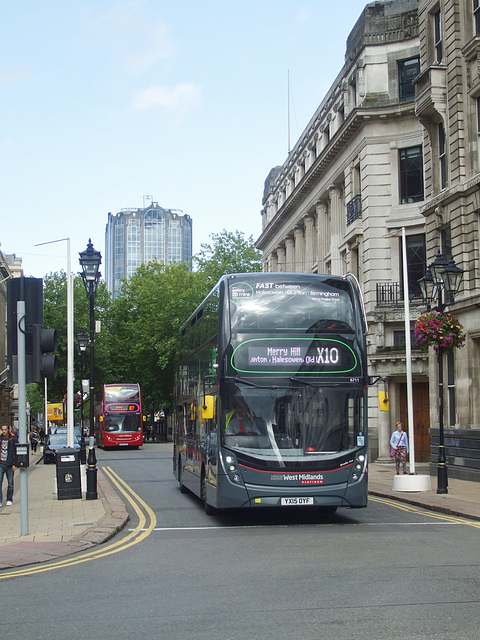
[(383, 401), (208, 408)]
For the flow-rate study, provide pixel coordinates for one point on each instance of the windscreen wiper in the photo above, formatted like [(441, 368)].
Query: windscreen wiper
[(317, 385), (253, 384)]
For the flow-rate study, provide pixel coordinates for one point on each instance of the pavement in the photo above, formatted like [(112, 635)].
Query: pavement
[(58, 528)]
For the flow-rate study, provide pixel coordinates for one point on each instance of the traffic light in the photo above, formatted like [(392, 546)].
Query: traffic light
[(30, 290), (44, 361)]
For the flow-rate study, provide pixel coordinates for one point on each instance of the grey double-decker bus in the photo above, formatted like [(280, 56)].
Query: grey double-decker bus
[(271, 394)]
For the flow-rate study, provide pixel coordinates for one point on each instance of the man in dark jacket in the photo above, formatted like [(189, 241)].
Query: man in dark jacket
[(7, 461)]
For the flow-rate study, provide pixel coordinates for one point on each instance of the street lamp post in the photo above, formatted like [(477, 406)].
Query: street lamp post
[(82, 342), (90, 260), (441, 277)]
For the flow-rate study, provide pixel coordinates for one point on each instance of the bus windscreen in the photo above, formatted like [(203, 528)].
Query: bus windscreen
[(121, 393), (311, 306)]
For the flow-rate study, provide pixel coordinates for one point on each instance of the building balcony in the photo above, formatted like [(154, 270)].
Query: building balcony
[(431, 91), (354, 209), (390, 294)]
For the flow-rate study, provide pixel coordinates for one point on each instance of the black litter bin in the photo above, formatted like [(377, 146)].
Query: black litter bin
[(69, 484)]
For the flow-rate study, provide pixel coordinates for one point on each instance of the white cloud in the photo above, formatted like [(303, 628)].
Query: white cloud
[(179, 98), (155, 45), (303, 16), (132, 39)]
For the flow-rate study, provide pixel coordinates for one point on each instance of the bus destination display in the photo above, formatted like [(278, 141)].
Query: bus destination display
[(122, 408), (295, 355)]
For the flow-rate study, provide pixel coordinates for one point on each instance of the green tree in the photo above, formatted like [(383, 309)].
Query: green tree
[(145, 321), (35, 398), (55, 317), (230, 252)]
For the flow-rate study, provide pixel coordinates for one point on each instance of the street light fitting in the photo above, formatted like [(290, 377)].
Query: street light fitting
[(82, 341), (90, 261), (428, 287), (437, 267), (452, 277)]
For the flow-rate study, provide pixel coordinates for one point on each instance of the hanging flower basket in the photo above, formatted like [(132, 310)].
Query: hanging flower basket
[(439, 330)]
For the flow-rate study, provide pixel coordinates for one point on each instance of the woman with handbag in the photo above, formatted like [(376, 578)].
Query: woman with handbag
[(399, 444)]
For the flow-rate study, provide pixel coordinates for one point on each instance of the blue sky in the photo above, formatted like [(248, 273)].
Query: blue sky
[(105, 102)]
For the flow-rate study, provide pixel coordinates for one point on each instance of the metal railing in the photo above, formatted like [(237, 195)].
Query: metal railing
[(354, 209), (390, 294)]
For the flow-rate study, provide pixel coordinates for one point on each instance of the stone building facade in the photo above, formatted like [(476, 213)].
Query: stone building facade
[(354, 177), (393, 149), (448, 106)]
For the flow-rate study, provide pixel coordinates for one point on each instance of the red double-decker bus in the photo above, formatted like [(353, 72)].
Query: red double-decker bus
[(118, 416)]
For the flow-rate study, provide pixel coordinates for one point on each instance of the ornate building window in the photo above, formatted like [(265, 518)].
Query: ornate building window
[(437, 41), (442, 156), (411, 175), (416, 263), (407, 71), (476, 16)]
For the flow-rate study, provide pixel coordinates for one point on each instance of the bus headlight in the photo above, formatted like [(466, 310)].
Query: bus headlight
[(358, 467), (232, 469)]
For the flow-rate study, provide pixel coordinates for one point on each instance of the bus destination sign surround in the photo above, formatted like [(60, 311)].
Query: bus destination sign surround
[(295, 355), (124, 407)]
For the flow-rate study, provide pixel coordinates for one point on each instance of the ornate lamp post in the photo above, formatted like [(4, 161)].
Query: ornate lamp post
[(90, 260), (82, 342), (441, 277)]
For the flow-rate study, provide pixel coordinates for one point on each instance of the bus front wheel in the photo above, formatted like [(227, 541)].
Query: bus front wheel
[(328, 509)]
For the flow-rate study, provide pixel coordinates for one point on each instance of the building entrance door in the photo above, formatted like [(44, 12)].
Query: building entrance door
[(421, 418)]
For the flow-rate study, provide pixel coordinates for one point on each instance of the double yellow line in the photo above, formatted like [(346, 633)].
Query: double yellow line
[(146, 523), (436, 515)]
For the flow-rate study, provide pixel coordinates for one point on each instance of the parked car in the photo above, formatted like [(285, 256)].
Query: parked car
[(77, 432), (57, 441)]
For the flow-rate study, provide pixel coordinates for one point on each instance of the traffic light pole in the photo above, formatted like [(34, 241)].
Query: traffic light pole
[(22, 413)]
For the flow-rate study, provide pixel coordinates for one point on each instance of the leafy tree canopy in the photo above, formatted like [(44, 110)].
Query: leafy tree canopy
[(139, 330), (229, 252), (145, 321), (55, 317)]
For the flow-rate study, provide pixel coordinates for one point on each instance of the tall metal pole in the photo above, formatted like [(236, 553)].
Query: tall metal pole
[(45, 409), (83, 458), (91, 471), (70, 414), (408, 355), (70, 410), (22, 416)]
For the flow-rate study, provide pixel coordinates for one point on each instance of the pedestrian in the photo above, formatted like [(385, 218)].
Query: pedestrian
[(7, 462), (33, 437), (399, 443)]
